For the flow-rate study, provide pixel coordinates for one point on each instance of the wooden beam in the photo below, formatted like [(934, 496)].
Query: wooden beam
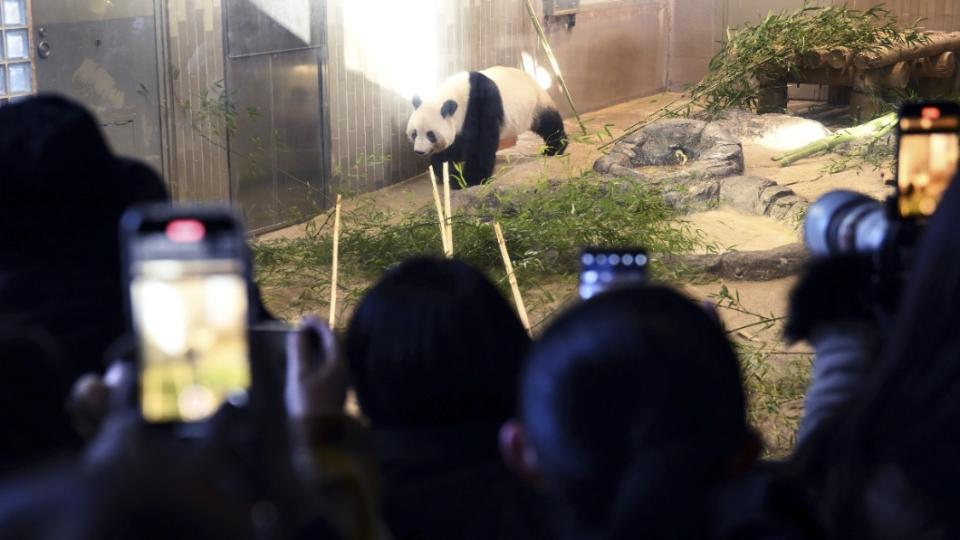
[(937, 43)]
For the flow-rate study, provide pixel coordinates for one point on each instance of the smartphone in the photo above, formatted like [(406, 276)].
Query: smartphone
[(928, 149), (606, 269), (186, 277)]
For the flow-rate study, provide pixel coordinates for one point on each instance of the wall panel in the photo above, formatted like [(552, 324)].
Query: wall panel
[(198, 158)]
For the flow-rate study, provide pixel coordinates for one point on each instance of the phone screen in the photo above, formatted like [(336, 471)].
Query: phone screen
[(928, 151), (606, 269), (188, 299)]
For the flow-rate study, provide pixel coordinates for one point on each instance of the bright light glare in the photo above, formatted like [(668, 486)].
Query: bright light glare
[(540, 73), (163, 322), (793, 135), (293, 15), (394, 44)]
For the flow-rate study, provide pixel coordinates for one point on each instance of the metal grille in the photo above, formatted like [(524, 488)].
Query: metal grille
[(16, 67)]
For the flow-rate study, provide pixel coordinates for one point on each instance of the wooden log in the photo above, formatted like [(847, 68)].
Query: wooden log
[(863, 105), (839, 58), (942, 66), (813, 59), (894, 77), (937, 43)]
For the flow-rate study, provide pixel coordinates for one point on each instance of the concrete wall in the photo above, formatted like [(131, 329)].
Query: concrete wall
[(612, 54)]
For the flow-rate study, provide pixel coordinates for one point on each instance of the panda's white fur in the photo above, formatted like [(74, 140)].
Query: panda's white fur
[(517, 104)]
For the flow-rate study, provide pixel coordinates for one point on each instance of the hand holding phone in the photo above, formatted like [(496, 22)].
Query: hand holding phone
[(316, 381), (187, 289)]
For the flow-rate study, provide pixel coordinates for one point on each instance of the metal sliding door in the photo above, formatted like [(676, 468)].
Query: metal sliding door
[(104, 55), (274, 69)]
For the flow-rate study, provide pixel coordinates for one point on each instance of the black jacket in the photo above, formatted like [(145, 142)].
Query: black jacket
[(449, 483)]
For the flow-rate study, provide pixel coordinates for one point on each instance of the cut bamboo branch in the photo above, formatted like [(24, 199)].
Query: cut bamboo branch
[(512, 277), (553, 63), (447, 213), (942, 66), (839, 58), (336, 262), (936, 43), (875, 128), (440, 217)]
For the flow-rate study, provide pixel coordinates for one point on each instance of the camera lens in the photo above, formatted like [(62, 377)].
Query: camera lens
[(844, 222)]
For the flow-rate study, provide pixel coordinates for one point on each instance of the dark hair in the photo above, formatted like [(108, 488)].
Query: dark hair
[(62, 192), (434, 342), (634, 404)]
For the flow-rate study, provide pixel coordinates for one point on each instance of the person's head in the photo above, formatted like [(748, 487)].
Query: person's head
[(435, 343), (631, 406), (62, 192)]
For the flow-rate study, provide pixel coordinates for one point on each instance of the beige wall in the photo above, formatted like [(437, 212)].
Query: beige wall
[(612, 54)]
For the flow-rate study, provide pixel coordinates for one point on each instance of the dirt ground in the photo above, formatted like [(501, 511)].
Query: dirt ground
[(776, 375)]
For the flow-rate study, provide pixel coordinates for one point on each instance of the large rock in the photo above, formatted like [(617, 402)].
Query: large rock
[(763, 265), (762, 196), (680, 150)]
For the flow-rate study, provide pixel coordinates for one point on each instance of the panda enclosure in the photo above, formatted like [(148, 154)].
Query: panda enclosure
[(280, 105)]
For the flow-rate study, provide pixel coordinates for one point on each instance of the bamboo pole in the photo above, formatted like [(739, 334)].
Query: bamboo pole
[(336, 261), (553, 63), (440, 217), (512, 277), (447, 212)]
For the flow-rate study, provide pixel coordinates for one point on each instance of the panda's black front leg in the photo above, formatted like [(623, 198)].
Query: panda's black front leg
[(452, 154), (480, 153)]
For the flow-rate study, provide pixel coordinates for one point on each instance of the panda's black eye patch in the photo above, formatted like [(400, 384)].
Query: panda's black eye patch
[(413, 135), (431, 137)]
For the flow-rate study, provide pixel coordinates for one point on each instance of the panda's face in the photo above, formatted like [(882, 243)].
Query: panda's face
[(431, 128)]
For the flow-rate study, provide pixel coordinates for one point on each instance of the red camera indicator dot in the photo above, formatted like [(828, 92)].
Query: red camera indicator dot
[(930, 113), (184, 231)]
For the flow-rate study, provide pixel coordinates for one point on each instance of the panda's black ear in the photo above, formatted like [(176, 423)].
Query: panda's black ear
[(449, 107), (417, 102)]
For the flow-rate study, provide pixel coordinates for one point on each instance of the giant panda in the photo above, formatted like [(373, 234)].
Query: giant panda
[(472, 113)]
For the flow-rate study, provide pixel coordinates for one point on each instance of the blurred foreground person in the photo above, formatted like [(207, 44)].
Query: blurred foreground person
[(61, 196), (885, 466), (633, 415), (33, 425), (435, 352)]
